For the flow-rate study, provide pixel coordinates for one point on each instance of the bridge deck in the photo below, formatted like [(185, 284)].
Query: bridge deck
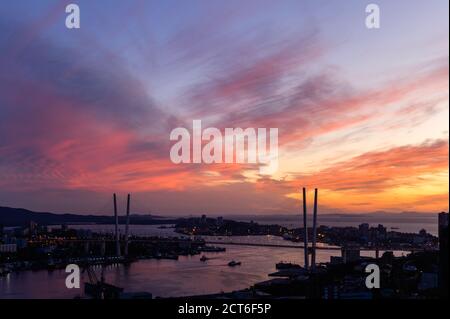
[(242, 244)]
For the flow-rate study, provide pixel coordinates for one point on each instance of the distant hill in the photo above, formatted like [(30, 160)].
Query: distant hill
[(362, 217), (19, 216)]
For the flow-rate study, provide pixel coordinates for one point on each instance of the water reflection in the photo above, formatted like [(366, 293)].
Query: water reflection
[(167, 278), (171, 278)]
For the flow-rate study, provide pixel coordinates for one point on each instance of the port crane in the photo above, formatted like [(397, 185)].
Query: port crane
[(99, 289)]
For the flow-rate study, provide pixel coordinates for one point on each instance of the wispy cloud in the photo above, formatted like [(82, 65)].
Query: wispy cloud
[(92, 115)]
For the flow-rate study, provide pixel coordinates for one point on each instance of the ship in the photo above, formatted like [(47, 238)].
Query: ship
[(286, 265), (234, 263)]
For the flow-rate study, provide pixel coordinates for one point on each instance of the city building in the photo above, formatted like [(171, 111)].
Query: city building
[(364, 232), (8, 248), (350, 253), (443, 254)]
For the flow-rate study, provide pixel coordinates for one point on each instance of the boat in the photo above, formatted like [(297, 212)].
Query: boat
[(234, 263), (286, 265), (287, 236), (204, 258)]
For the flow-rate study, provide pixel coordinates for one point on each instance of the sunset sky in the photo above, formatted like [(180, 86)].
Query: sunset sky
[(362, 113)]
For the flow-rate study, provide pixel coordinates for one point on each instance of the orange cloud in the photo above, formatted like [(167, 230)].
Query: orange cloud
[(401, 178)]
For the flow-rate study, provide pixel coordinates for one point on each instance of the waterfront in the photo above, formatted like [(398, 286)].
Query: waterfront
[(171, 278), (406, 223), (402, 223), (167, 278)]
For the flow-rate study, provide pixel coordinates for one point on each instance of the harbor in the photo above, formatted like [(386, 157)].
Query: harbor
[(165, 278), (210, 257)]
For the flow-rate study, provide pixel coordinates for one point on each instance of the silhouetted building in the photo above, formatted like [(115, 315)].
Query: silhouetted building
[(381, 232), (350, 253), (32, 228), (388, 257), (364, 229), (428, 280), (8, 248), (443, 254)]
